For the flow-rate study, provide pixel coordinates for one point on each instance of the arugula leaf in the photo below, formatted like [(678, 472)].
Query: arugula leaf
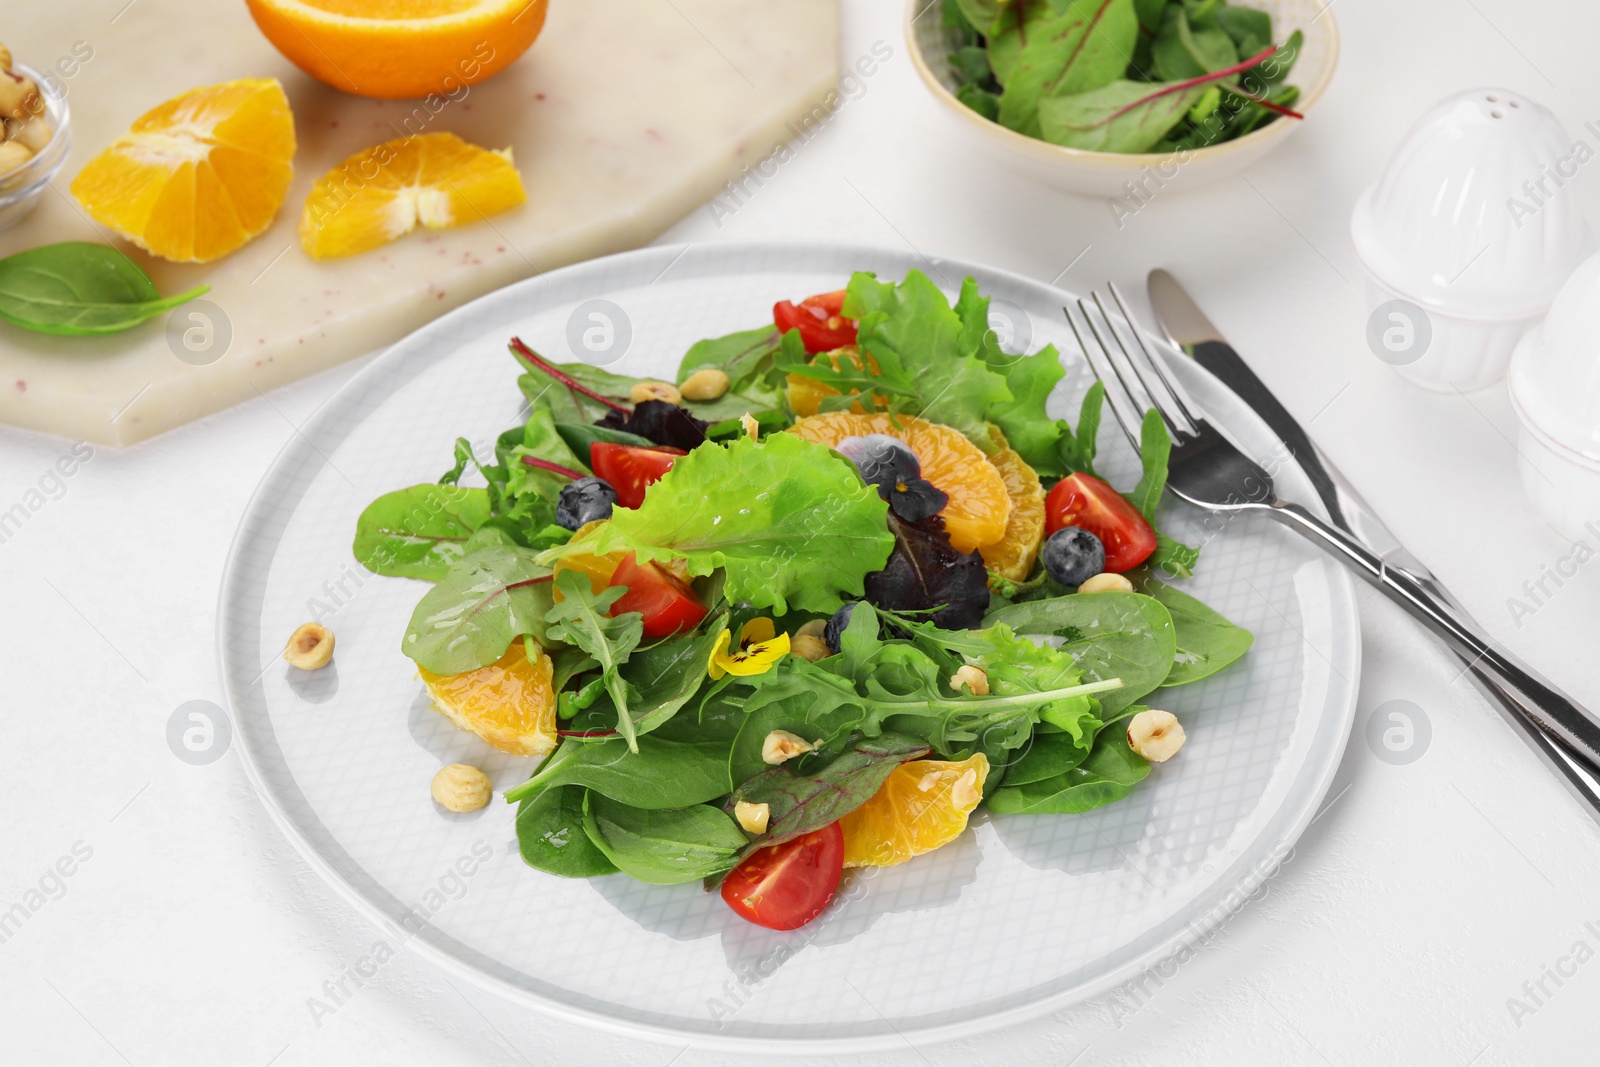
[(801, 803), (1109, 635), (1206, 642), (1173, 558), (663, 847), (580, 619), (1077, 450), (420, 531), (79, 288), (663, 677), (1081, 48), (792, 523), (482, 603), (551, 837), (1155, 448), (1109, 774)]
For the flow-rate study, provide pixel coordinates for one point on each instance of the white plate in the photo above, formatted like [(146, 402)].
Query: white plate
[(1022, 915)]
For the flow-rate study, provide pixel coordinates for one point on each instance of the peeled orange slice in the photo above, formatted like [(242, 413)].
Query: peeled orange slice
[(921, 805), (435, 180), (510, 703), (198, 176), (979, 506), (400, 48), (805, 395), (1014, 554)]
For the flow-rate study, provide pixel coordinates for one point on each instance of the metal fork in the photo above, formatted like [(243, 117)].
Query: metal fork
[(1210, 472)]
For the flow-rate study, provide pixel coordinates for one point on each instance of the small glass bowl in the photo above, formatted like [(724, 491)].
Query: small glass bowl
[(21, 189)]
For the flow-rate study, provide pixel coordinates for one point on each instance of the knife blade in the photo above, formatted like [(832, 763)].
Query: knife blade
[(1191, 332)]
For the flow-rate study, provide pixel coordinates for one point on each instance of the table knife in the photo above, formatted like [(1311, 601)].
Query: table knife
[(1189, 331)]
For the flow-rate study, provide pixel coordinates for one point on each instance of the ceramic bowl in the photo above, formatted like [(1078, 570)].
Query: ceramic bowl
[(1459, 226), (1113, 174), (1555, 391), (21, 189)]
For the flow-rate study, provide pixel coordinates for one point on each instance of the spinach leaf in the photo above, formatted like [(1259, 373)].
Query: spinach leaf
[(418, 532), (1084, 47), (1108, 775), (980, 100), (661, 773), (979, 14), (1122, 116), (971, 63), (480, 604), (802, 802), (1250, 30), (79, 288), (663, 847), (551, 837), (580, 619), (1185, 50), (746, 357), (1047, 756), (1109, 635), (1206, 642), (792, 523), (580, 435)]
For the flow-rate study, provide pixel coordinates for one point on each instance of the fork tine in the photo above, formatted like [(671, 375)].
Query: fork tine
[(1180, 395), (1122, 404), (1157, 396)]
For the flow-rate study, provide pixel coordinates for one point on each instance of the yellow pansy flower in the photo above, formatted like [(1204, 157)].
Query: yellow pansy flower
[(759, 647)]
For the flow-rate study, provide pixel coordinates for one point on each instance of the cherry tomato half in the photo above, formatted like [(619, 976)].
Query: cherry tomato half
[(1084, 500), (631, 469), (786, 886), (819, 321), (667, 604)]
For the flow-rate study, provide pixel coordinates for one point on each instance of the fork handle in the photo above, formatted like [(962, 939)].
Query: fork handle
[(1549, 706)]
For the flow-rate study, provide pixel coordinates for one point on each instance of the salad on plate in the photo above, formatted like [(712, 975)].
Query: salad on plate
[(808, 606)]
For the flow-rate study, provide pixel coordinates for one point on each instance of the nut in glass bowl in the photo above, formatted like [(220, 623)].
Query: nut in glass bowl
[(1118, 175), (36, 144)]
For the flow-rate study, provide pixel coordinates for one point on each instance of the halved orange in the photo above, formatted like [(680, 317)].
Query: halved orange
[(805, 395), (510, 703), (400, 48), (979, 507), (435, 180), (921, 805), (198, 176), (1014, 554)]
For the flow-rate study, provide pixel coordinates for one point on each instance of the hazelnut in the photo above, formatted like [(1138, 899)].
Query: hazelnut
[(5, 58), (814, 628), (643, 391), (972, 679), (965, 794), (707, 383), (19, 96), (809, 648), (13, 154), (309, 647), (781, 746), (459, 787), (1106, 582), (35, 133), (751, 426), (1155, 735), (753, 817)]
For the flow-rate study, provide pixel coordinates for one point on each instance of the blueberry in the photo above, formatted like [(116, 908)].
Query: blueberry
[(1073, 555), (836, 627), (585, 500), (890, 465)]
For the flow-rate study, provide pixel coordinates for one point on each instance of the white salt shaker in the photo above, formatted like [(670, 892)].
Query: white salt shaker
[(1472, 223)]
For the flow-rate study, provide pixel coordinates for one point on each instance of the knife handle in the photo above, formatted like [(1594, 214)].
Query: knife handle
[(1554, 710)]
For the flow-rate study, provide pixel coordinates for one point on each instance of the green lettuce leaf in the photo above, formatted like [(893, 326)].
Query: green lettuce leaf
[(790, 522)]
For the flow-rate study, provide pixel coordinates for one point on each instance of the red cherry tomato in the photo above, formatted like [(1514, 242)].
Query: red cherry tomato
[(1084, 500), (786, 886), (667, 604), (631, 469), (819, 321)]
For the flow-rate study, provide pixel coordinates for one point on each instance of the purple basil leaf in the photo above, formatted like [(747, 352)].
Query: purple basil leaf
[(925, 571), (661, 422)]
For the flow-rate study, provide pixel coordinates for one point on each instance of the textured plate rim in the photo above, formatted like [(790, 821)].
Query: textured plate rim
[(1339, 705)]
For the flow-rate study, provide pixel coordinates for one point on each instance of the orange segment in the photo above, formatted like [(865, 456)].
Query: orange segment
[(979, 507), (198, 176), (805, 395), (1014, 554), (510, 703), (400, 48), (436, 180), (921, 805)]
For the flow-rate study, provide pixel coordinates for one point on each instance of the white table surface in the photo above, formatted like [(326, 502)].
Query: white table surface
[(1417, 905)]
